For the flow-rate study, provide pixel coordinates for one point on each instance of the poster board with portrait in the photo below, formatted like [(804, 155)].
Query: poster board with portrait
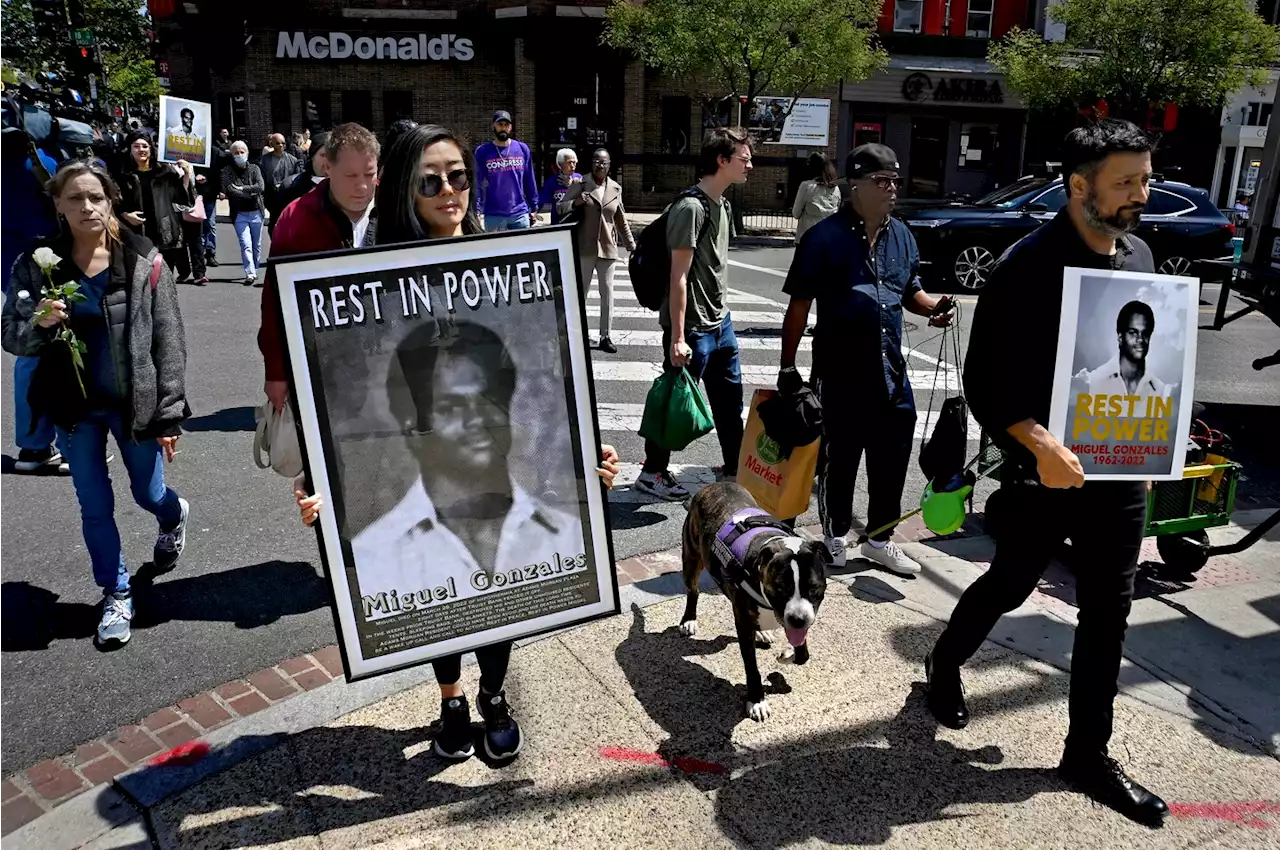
[(1125, 372), (447, 411), (186, 131)]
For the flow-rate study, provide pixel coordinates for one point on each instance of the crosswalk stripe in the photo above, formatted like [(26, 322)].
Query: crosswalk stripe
[(625, 293), (752, 316), (626, 417), (754, 374), (747, 343)]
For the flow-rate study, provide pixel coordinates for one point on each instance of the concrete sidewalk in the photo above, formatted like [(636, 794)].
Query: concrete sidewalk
[(635, 735)]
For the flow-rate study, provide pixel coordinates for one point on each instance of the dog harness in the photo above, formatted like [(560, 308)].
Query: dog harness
[(730, 550)]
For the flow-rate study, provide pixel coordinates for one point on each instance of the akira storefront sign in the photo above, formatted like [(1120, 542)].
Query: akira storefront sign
[(409, 47)]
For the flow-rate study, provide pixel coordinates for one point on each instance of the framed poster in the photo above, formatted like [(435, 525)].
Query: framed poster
[(1125, 372), (808, 124), (186, 130), (447, 409)]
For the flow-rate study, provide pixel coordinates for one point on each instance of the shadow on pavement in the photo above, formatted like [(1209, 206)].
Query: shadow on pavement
[(858, 794), (248, 596), (625, 517), (367, 778), (227, 419)]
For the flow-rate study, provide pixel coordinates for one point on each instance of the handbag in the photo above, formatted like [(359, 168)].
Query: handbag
[(193, 213), (675, 413), (277, 437)]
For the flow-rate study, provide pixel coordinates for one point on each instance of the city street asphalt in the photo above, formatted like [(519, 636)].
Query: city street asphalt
[(249, 590)]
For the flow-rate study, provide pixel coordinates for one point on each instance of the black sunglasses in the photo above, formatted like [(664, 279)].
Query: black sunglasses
[(433, 184)]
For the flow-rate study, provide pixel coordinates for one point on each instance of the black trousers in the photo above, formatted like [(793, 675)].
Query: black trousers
[(850, 426), (179, 262), (493, 662), (1105, 522), (193, 236)]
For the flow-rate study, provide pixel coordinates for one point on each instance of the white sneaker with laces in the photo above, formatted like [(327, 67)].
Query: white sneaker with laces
[(839, 550), (891, 557)]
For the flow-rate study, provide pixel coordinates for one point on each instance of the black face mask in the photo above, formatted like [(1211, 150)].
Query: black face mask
[(501, 135)]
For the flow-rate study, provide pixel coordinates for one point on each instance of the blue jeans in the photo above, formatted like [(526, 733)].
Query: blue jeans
[(494, 223), (249, 232), (86, 451), (210, 224), (26, 438), (715, 362)]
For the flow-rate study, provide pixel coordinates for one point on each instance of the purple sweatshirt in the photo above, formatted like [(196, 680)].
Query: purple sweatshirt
[(506, 183)]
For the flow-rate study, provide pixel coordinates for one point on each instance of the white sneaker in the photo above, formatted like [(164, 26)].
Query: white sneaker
[(663, 485), (891, 557), (839, 550)]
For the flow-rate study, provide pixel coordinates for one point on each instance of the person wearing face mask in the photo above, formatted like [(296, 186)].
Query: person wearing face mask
[(134, 363), (1106, 168), (463, 373), (604, 225), (338, 213), (152, 195), (242, 184), (506, 190)]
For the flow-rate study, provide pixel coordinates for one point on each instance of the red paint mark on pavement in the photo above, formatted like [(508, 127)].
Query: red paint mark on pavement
[(687, 764), (184, 754), (1242, 813)]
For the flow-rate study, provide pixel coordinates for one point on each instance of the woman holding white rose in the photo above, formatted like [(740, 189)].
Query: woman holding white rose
[(101, 290)]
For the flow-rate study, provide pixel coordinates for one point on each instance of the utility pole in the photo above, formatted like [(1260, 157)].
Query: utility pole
[(1262, 236)]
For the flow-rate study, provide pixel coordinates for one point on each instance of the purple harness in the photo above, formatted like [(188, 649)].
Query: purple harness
[(732, 541)]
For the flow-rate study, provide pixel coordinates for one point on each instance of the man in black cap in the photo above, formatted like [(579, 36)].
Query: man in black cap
[(506, 190), (861, 266)]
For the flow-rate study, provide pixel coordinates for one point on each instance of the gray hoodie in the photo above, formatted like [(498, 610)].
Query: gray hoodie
[(144, 324)]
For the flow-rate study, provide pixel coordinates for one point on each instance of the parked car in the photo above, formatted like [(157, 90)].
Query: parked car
[(959, 243)]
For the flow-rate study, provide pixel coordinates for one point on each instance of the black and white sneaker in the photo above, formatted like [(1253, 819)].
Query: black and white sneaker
[(453, 740), (169, 544), (502, 737), (41, 462)]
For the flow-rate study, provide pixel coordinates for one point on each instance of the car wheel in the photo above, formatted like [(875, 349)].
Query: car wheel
[(1176, 265), (973, 266)]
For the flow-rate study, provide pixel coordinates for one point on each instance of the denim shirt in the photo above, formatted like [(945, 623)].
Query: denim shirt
[(860, 292)]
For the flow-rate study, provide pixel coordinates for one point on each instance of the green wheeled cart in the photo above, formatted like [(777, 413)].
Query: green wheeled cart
[(1178, 512)]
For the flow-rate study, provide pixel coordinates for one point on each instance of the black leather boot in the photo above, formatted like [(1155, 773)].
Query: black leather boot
[(946, 695), (1103, 779)]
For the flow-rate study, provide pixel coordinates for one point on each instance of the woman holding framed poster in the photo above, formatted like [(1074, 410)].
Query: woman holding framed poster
[(464, 525)]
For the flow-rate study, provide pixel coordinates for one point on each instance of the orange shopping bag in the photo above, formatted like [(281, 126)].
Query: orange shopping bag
[(781, 487)]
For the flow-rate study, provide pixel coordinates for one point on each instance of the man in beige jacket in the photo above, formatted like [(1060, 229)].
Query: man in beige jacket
[(596, 203)]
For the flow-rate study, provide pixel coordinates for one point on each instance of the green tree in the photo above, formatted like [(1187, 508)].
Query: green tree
[(726, 49), (1135, 53)]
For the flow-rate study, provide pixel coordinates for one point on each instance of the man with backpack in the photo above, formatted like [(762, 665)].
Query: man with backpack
[(697, 329)]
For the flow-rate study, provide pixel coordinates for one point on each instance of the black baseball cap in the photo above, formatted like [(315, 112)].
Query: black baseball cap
[(501, 115), (868, 159)]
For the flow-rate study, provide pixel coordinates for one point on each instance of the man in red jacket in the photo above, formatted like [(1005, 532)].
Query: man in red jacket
[(336, 214)]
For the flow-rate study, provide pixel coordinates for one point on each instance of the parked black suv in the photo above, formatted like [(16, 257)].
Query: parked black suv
[(960, 243)]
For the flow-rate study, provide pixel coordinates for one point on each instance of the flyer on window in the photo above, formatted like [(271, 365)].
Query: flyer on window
[(1125, 372), (447, 414), (186, 131)]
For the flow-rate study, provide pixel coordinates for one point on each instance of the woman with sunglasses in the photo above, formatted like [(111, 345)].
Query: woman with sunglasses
[(425, 193)]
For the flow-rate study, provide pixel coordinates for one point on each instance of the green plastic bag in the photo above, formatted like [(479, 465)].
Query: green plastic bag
[(675, 413)]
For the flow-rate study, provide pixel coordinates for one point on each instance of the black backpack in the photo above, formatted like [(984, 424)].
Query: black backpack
[(650, 263)]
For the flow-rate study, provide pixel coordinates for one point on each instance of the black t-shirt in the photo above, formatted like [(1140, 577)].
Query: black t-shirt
[(1013, 343), (151, 225)]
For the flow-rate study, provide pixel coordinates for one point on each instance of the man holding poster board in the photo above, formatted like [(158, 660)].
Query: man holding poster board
[(1014, 375)]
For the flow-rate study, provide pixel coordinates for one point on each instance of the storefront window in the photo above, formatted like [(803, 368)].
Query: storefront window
[(1250, 169), (868, 132), (977, 145), (676, 112), (979, 20), (316, 114), (280, 118), (907, 15), (357, 106)]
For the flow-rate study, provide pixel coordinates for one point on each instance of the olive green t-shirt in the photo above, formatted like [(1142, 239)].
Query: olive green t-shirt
[(708, 278)]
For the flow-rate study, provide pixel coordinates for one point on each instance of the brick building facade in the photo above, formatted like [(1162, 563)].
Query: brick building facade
[(299, 65)]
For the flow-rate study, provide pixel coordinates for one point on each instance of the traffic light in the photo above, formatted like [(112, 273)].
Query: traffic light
[(50, 18)]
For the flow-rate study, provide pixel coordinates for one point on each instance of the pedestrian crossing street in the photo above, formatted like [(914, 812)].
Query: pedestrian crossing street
[(622, 380)]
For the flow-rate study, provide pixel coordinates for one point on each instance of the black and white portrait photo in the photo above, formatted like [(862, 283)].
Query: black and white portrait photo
[(445, 400), (1125, 372)]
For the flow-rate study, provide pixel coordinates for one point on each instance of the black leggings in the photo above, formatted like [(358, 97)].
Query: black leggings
[(493, 667)]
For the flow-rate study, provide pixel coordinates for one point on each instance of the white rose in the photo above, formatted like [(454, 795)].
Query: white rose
[(45, 258), (23, 294)]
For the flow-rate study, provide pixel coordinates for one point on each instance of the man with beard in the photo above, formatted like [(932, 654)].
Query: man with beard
[(1126, 373), (1008, 381), (506, 191)]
